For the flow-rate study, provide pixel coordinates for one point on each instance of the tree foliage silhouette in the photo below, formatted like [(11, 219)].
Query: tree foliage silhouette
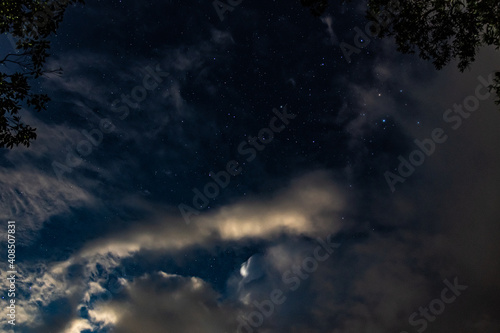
[(440, 30), (30, 23)]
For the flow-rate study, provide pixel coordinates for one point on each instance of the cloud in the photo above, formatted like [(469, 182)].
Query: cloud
[(78, 325), (31, 197), (328, 20), (309, 206), (167, 302)]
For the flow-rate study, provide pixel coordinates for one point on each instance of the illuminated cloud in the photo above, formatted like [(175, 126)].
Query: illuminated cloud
[(309, 206)]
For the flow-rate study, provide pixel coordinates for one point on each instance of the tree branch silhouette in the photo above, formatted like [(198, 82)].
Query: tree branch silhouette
[(439, 30), (30, 23)]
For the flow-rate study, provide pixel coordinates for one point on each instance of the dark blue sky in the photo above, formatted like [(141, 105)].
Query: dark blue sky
[(189, 172)]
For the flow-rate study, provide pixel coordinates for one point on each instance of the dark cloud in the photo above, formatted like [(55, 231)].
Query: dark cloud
[(104, 248)]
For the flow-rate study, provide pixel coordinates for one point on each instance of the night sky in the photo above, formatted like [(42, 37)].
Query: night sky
[(198, 175)]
